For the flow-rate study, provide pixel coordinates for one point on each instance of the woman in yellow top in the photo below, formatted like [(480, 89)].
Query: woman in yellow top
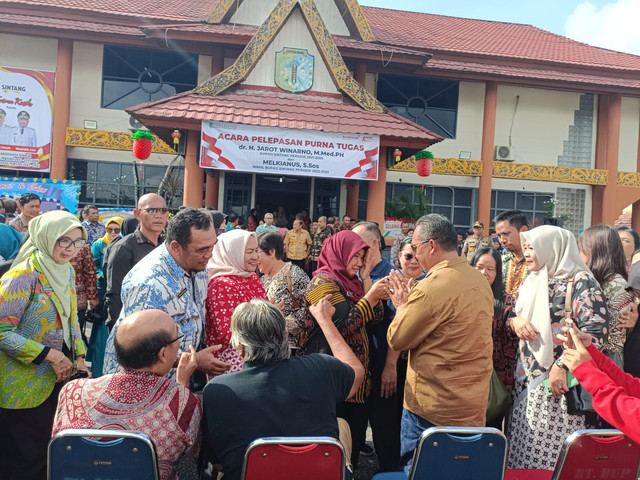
[(40, 342)]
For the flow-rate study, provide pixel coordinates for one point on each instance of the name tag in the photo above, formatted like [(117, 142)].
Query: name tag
[(184, 290)]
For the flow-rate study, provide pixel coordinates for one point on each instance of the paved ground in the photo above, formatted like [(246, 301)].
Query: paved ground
[(367, 466)]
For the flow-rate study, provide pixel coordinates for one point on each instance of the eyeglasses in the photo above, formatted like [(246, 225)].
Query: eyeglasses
[(414, 246), (66, 242), (113, 230), (153, 211), (408, 257), (179, 337)]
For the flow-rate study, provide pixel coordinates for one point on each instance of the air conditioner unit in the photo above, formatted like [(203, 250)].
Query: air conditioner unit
[(504, 153)]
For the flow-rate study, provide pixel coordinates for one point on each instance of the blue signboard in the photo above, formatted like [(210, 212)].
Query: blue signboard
[(61, 193)]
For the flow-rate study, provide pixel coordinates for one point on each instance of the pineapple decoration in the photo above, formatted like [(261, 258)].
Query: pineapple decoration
[(142, 144), (425, 163)]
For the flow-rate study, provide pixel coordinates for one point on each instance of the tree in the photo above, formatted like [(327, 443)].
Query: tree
[(404, 208)]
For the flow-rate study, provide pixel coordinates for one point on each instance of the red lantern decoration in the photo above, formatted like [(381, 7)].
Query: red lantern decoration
[(425, 163), (176, 135), (142, 144), (397, 153)]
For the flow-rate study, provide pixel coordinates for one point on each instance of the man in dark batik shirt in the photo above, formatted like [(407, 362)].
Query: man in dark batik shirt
[(319, 237)]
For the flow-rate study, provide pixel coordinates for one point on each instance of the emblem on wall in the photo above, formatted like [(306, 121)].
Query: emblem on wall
[(294, 69)]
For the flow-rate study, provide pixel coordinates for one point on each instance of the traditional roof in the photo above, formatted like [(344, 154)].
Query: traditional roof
[(351, 13), (65, 24), (476, 48), (600, 79), (270, 107), (268, 31), (141, 10), (438, 33)]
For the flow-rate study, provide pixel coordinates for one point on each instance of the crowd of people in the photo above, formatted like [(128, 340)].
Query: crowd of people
[(209, 331)]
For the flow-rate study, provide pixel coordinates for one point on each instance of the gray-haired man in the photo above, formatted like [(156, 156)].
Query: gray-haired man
[(275, 395)]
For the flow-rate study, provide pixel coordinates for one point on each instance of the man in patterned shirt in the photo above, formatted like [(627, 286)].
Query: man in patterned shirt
[(30, 209), (395, 249), (297, 244), (508, 226), (173, 278), (319, 237), (95, 229), (138, 396)]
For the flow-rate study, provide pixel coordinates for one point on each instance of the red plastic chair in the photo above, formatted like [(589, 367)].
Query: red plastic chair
[(524, 474), (294, 458), (590, 455), (595, 454)]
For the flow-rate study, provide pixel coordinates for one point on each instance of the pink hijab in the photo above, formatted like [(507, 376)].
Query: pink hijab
[(337, 251)]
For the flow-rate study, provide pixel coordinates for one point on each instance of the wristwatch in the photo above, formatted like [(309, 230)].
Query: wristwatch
[(559, 363)]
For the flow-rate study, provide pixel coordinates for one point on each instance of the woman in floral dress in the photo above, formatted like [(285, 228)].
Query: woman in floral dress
[(283, 282), (539, 423)]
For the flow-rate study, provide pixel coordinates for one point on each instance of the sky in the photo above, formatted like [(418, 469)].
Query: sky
[(611, 24)]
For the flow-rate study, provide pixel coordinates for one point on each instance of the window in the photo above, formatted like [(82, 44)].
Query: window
[(131, 76), (428, 102), (327, 199), (237, 193), (363, 200), (530, 203), (22, 174), (112, 184), (457, 204)]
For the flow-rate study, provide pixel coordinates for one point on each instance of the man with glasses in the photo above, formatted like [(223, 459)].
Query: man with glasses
[(141, 397), (444, 322), (95, 229), (173, 278), (122, 256)]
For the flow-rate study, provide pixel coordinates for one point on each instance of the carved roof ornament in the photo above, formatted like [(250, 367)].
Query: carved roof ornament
[(268, 31), (350, 9)]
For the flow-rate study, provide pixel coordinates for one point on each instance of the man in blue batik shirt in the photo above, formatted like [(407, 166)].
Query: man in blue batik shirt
[(383, 409), (173, 278), (95, 229)]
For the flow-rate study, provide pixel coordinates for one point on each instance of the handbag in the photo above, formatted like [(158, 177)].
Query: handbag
[(579, 400), (499, 399)]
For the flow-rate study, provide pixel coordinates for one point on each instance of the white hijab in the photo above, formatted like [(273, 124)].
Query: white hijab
[(228, 254), (559, 258)]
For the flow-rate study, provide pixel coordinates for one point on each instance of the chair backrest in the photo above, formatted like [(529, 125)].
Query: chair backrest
[(97, 454), (598, 454), (293, 458), (460, 453)]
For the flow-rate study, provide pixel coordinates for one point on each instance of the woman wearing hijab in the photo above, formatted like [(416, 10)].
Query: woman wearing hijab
[(540, 422), (40, 342), (357, 302), (99, 247), (99, 330), (232, 281)]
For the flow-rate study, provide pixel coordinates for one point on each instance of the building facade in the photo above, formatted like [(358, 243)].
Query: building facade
[(515, 116)]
